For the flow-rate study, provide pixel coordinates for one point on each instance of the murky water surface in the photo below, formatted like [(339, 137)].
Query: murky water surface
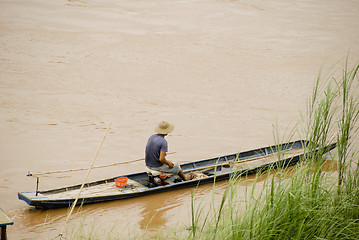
[(222, 71)]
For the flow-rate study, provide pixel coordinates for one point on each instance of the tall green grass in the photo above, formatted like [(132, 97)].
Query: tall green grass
[(310, 204), (307, 203)]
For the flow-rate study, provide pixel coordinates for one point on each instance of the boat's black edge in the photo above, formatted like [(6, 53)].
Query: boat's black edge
[(47, 204), (239, 156), (195, 182)]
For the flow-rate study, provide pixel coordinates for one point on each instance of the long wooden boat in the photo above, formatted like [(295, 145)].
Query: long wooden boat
[(204, 171)]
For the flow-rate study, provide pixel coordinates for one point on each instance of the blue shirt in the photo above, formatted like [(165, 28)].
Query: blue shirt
[(156, 143)]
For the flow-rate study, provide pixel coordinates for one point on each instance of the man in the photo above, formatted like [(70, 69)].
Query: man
[(156, 150)]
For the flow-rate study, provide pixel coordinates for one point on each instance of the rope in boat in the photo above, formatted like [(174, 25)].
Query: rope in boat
[(85, 180), (82, 169)]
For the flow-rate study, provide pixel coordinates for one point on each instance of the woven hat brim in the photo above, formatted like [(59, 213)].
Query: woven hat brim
[(165, 131)]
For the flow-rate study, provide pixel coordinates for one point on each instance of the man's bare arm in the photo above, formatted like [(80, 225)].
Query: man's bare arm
[(164, 161)]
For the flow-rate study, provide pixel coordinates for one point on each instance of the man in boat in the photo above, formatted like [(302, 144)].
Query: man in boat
[(156, 150)]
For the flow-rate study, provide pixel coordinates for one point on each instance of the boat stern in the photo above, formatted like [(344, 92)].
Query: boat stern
[(32, 198)]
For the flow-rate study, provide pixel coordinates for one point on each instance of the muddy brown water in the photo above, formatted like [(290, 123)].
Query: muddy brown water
[(224, 72)]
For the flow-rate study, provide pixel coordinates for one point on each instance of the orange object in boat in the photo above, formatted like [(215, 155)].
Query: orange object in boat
[(121, 181), (163, 175)]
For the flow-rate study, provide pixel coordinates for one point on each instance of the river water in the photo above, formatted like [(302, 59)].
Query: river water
[(224, 72)]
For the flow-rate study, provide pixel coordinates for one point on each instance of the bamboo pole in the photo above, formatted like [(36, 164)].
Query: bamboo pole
[(82, 169), (85, 180)]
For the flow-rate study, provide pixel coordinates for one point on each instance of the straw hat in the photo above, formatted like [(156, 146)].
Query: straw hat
[(164, 128)]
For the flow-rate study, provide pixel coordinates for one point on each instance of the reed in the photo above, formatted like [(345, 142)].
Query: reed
[(309, 204), (306, 203)]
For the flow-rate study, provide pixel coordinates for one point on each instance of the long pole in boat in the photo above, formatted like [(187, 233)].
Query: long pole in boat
[(85, 180)]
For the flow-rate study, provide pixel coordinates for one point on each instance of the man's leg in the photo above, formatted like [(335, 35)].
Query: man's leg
[(181, 174), (175, 170)]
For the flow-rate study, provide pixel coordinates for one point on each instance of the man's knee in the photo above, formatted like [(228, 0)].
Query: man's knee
[(176, 168)]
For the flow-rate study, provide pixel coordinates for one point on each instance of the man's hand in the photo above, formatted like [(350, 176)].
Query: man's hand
[(170, 164)]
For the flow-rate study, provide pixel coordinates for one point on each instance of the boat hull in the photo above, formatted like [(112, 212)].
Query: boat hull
[(214, 169)]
